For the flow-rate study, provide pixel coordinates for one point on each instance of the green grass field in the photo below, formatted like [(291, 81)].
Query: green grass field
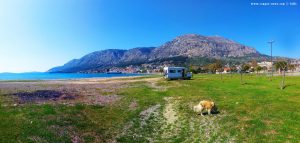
[(161, 111)]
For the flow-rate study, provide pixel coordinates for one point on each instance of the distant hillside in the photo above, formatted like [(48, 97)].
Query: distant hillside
[(106, 58), (196, 45), (181, 49)]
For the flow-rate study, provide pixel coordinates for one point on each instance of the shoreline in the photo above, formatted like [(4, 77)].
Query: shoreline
[(106, 80), (78, 78)]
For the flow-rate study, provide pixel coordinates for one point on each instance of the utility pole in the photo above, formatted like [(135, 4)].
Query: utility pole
[(271, 44)]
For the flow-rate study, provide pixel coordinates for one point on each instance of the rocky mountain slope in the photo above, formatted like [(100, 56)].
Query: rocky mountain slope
[(188, 46), (196, 45)]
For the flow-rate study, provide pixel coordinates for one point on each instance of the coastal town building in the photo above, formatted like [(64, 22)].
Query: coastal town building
[(296, 63), (265, 64), (226, 70)]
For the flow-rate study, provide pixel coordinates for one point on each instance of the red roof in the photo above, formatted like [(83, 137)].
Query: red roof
[(226, 69)]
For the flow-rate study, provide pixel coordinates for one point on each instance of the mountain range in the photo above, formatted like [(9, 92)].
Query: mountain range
[(179, 49)]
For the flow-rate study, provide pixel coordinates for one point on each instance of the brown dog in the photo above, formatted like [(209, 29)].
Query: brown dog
[(204, 104)]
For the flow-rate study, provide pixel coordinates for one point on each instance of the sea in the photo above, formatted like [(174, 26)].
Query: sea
[(60, 76)]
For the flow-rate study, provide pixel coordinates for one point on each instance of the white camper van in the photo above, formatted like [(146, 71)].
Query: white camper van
[(176, 73)]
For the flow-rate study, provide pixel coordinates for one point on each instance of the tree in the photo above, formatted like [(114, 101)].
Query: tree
[(219, 67), (212, 68), (291, 67), (161, 70), (203, 69), (264, 69), (196, 69), (258, 69), (243, 69), (254, 65), (233, 68), (282, 66), (192, 69)]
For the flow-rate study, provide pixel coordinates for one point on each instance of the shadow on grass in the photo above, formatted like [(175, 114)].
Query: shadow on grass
[(180, 79), (42, 95), (288, 85), (248, 83), (213, 113)]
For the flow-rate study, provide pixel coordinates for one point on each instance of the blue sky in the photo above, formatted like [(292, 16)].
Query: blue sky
[(36, 35)]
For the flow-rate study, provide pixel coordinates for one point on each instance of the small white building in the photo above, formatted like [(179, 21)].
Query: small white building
[(176, 73), (268, 65), (296, 63)]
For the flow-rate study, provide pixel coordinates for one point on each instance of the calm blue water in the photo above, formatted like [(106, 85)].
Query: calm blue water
[(53, 76)]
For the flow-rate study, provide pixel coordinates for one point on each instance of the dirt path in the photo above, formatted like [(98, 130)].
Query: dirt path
[(169, 112), (182, 122), (146, 114)]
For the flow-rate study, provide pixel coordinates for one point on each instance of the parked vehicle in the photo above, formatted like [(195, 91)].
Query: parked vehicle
[(176, 73)]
